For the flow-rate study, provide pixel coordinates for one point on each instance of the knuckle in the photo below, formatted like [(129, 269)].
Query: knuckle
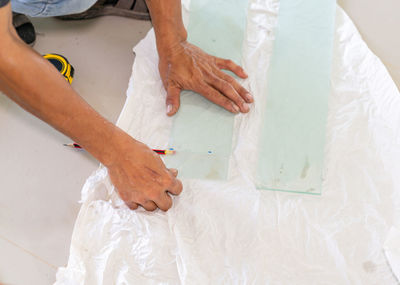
[(226, 103), (165, 209), (215, 80), (214, 95), (239, 101), (167, 205), (243, 91), (141, 200), (132, 205), (153, 195), (230, 79), (180, 187), (152, 207), (227, 88), (167, 180)]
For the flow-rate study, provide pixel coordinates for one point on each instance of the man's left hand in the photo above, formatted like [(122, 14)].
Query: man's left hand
[(187, 67)]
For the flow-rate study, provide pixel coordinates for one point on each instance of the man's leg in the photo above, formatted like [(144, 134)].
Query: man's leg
[(50, 8), (136, 9)]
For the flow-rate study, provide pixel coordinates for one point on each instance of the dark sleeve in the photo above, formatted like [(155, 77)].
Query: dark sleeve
[(3, 2)]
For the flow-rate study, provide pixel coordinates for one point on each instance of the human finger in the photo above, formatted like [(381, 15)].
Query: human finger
[(216, 97), (132, 205), (227, 90), (149, 205), (176, 187), (173, 100), (164, 202), (230, 65), (239, 88)]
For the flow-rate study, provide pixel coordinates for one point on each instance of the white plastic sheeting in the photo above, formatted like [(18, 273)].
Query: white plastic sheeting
[(392, 250), (231, 233)]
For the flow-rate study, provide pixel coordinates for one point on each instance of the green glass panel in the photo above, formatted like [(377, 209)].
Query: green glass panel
[(202, 131), (294, 119)]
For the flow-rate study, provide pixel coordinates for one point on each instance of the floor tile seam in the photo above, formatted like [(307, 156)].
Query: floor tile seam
[(42, 260)]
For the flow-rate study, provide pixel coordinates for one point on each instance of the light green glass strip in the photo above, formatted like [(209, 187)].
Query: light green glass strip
[(202, 131), (293, 132)]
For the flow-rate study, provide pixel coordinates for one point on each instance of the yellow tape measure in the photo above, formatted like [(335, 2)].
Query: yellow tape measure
[(62, 65)]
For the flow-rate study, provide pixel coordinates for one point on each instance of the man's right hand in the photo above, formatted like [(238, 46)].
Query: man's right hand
[(141, 177)]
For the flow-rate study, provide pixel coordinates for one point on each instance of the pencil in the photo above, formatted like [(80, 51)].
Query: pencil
[(159, 151), (164, 151), (73, 145)]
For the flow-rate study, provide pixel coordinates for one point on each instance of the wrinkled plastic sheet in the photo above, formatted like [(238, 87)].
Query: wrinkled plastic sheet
[(231, 233)]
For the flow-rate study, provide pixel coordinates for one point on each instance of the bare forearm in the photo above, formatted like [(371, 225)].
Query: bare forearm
[(35, 85), (138, 174), (167, 21)]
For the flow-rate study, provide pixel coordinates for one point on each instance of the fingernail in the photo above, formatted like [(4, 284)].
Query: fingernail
[(235, 108), (246, 107), (249, 97), (169, 108)]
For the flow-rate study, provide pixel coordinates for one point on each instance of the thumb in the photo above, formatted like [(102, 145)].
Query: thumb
[(173, 100)]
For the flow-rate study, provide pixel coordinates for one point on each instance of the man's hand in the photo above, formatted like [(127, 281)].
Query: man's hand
[(141, 177), (186, 67)]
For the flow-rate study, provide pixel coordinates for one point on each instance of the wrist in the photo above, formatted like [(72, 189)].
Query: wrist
[(168, 25), (104, 143), (117, 146), (112, 149), (169, 43)]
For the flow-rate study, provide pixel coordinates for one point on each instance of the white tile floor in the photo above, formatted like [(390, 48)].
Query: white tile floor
[(40, 180), (379, 24)]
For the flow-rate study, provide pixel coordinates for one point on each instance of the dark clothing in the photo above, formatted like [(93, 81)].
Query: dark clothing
[(3, 2)]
